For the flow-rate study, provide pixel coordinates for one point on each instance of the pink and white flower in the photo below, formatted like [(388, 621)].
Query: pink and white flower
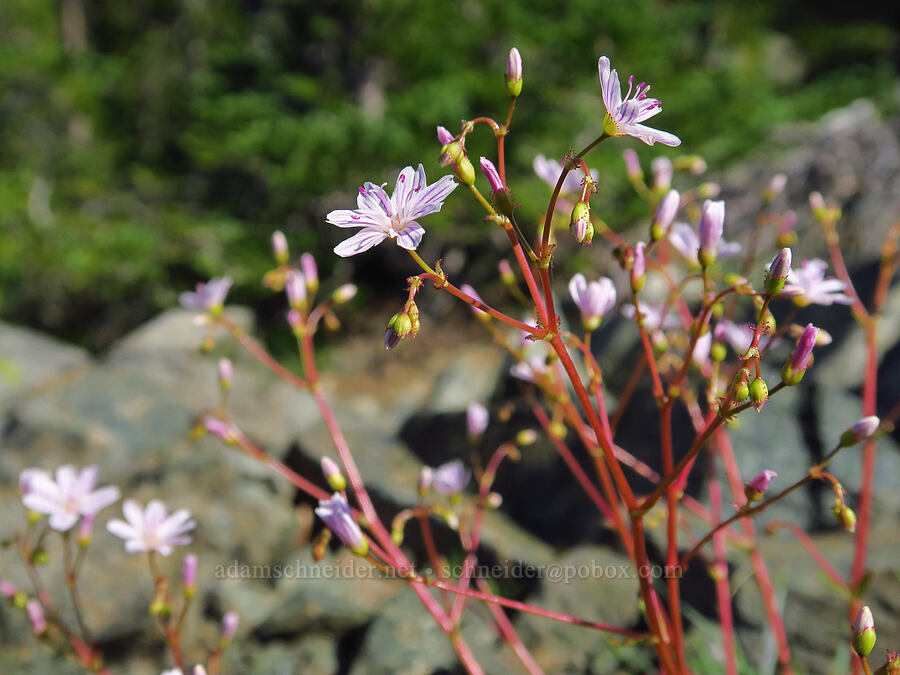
[(624, 116), (686, 241), (810, 286), (68, 498), (152, 528), (380, 217), (207, 297), (450, 478), (594, 299)]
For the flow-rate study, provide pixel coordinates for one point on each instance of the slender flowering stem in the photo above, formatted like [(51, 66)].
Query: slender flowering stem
[(262, 355)]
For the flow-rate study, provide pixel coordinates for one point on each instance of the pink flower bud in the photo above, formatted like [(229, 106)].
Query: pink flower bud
[(220, 429), (280, 247), (666, 211), (775, 186), (860, 431), (756, 487), (864, 632), (803, 351), (189, 570), (333, 475), (444, 136), (86, 529), (226, 372), (712, 221), (295, 287), (229, 625), (638, 269), (662, 173), (514, 72), (310, 272), (344, 293), (817, 203), (632, 164), (36, 616), (295, 320), (426, 477), (778, 272), (476, 420), (336, 514), (490, 172), (7, 589)]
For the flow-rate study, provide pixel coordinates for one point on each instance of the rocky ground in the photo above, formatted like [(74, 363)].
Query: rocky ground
[(130, 411)]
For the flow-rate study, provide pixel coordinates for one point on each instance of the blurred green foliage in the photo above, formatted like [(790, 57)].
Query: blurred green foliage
[(148, 144)]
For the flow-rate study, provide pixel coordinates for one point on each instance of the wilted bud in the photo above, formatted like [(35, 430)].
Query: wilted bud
[(632, 165), (310, 272), (226, 373), (712, 222), (280, 247), (333, 475), (666, 211), (756, 487), (514, 72), (759, 393), (580, 224), (344, 293), (778, 272), (864, 632), (638, 268), (477, 418), (860, 431)]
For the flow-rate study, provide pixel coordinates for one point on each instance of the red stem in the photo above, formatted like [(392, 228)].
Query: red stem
[(723, 590)]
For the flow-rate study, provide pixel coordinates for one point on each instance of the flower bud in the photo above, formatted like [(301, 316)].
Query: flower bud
[(344, 293), (221, 429), (426, 476), (718, 352), (85, 530), (444, 136), (7, 589), (778, 272), (638, 268), (477, 418), (817, 204), (632, 165), (693, 163), (580, 224), (526, 437), (333, 475), (860, 431), (740, 388), (712, 221), (280, 247), (662, 173), (759, 393), (514, 72), (229, 626), (493, 176), (864, 632), (756, 487), (775, 187), (189, 575), (666, 211), (795, 367), (398, 328), (708, 190), (295, 287), (506, 272), (36, 616), (310, 272), (845, 515), (225, 372), (295, 321)]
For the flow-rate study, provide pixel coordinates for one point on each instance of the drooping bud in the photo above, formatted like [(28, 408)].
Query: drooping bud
[(712, 221), (864, 632), (189, 575), (280, 247), (580, 224), (36, 616), (860, 431), (333, 475), (638, 268), (344, 293), (666, 211), (778, 272), (632, 165), (226, 373), (477, 418), (740, 387), (295, 287), (795, 367), (398, 328), (514, 72), (759, 393), (310, 272), (756, 487), (845, 515), (454, 153)]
